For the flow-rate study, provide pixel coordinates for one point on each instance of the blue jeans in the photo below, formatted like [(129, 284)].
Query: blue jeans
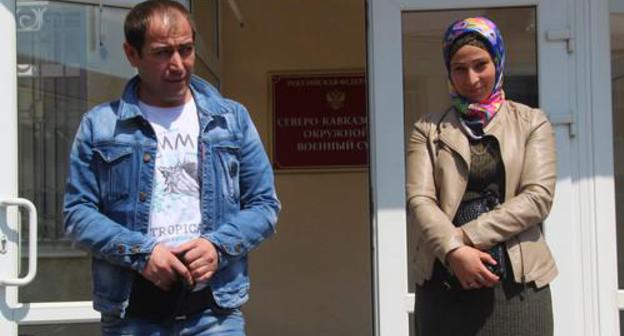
[(206, 323)]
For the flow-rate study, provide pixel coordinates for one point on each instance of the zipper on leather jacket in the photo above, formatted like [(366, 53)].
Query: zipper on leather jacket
[(523, 276)]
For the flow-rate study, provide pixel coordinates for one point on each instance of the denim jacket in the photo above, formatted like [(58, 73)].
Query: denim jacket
[(109, 189)]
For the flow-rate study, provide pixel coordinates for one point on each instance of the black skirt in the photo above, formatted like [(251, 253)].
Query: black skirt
[(508, 309)]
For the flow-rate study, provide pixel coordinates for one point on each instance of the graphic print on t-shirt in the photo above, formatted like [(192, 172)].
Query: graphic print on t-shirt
[(181, 179), (174, 214)]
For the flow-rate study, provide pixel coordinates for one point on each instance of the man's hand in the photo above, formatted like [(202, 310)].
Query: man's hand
[(200, 256), (467, 264), (163, 268)]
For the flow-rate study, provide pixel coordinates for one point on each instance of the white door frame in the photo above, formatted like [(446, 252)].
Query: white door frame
[(582, 237), (8, 171), (594, 68)]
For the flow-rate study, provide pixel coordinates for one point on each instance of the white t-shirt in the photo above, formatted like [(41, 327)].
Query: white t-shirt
[(175, 214)]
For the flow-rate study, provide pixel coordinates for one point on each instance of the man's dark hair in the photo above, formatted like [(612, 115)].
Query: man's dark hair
[(138, 19)]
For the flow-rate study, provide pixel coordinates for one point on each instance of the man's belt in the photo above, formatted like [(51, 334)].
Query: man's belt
[(150, 302)]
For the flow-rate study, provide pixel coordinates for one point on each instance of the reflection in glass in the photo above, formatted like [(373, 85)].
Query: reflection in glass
[(70, 58), (424, 75)]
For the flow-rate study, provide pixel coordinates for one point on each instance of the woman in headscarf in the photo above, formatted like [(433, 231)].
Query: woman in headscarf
[(480, 182)]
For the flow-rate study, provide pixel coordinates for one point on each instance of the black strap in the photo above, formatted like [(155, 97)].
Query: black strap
[(150, 302)]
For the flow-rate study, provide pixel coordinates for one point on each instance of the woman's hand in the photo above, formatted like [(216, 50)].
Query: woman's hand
[(468, 266)]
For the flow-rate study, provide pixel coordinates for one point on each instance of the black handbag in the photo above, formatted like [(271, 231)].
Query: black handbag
[(470, 210)]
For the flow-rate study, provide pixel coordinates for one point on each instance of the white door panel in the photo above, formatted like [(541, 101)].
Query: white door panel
[(571, 229)]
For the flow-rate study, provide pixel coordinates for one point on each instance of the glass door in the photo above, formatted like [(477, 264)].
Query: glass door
[(68, 58), (408, 77)]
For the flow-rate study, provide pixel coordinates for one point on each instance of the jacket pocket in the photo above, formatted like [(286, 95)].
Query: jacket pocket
[(228, 157), (115, 169)]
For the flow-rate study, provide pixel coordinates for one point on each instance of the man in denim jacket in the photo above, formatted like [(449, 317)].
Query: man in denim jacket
[(169, 189)]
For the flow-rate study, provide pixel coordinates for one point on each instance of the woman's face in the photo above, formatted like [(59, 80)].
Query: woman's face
[(473, 73)]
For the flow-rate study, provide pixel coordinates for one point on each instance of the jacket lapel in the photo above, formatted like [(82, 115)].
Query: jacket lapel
[(451, 134), (495, 127)]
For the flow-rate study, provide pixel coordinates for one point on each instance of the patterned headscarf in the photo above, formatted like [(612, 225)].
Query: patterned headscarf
[(477, 112)]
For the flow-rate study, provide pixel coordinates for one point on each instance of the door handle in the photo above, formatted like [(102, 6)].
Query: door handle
[(32, 241), (562, 35)]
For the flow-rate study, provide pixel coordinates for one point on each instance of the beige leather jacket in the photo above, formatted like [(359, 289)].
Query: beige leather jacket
[(438, 162)]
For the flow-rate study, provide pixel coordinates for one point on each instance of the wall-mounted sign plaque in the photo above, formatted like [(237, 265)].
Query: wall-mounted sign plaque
[(319, 120)]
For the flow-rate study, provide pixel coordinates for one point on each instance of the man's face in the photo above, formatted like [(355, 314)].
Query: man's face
[(166, 61)]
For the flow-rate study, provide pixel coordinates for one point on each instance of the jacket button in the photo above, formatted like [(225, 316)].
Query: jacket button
[(238, 248), (121, 249), (142, 196), (147, 157)]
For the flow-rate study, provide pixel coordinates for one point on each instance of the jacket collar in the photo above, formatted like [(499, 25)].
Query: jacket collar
[(202, 91), (451, 132), (496, 127)]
